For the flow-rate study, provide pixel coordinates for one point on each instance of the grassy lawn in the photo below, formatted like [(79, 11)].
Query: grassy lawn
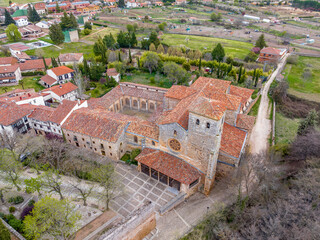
[(99, 91), (101, 32), (5, 3), (232, 48), (28, 82), (144, 78), (254, 110), (298, 84), (75, 47), (286, 128)]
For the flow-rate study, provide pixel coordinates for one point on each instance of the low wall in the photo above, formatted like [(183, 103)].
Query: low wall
[(12, 230)]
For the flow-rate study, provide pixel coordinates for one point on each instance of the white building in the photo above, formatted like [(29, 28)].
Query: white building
[(43, 24), (57, 75), (61, 92), (70, 58), (10, 75), (21, 21)]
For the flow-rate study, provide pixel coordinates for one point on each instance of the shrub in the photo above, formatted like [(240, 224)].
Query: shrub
[(16, 224), (152, 80), (86, 31), (25, 74), (125, 157), (4, 232), (31, 202), (12, 209), (293, 59), (26, 211), (16, 200)]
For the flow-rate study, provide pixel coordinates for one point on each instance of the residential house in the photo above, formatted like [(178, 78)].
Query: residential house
[(271, 55), (70, 58), (7, 61), (57, 75), (76, 5), (159, 4), (10, 75), (28, 98), (31, 31), (63, 7), (131, 4), (61, 92), (112, 72), (21, 21), (110, 2), (20, 55), (34, 65), (43, 24), (40, 7)]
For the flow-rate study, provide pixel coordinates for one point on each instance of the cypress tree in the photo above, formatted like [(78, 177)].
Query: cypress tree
[(8, 19), (261, 43), (130, 58), (30, 14), (218, 53), (86, 67), (44, 63), (36, 16), (200, 64), (119, 57), (57, 8), (54, 62), (59, 62), (239, 76), (56, 34)]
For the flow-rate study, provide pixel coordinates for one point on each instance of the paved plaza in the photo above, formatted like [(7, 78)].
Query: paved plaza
[(139, 188)]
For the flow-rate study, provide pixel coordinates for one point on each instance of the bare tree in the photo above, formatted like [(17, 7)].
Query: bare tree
[(83, 189), (51, 180)]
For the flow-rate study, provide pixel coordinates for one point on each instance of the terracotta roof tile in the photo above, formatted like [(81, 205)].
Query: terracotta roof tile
[(11, 113), (218, 85), (9, 69), (48, 80), (63, 110), (144, 128), (245, 122), (232, 140), (207, 108), (61, 70), (179, 92), (271, 50), (8, 60), (62, 89), (169, 165), (43, 113), (35, 64), (244, 93), (112, 72), (70, 57)]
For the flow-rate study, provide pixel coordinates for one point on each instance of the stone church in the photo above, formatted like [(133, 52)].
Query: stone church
[(186, 134)]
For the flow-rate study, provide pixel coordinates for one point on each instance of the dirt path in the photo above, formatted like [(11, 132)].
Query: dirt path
[(262, 128)]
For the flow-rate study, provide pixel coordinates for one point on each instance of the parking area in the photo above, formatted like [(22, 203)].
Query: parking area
[(139, 188)]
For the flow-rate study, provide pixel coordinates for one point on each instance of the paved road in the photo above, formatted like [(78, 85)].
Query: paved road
[(261, 131)]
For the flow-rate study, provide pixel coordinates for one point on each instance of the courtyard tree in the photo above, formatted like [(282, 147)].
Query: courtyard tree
[(10, 168), (51, 181), (309, 123), (84, 190), (120, 67), (34, 185), (151, 61), (13, 33), (261, 43), (51, 217), (218, 53), (107, 178), (175, 73), (8, 19), (56, 34)]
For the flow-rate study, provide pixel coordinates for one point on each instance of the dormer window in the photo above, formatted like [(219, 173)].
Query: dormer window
[(208, 125), (197, 121)]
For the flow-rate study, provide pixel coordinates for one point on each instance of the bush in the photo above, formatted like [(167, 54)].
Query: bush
[(125, 157), (26, 211), (16, 200), (31, 202), (87, 25), (152, 80), (293, 59), (86, 31), (4, 232), (25, 74), (12, 209), (16, 224)]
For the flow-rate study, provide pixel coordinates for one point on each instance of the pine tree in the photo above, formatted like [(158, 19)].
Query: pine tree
[(58, 9), (130, 58), (36, 16), (56, 34), (86, 67), (133, 40), (160, 49), (73, 22), (218, 53), (121, 4), (44, 63), (30, 14), (261, 43), (8, 19), (152, 48)]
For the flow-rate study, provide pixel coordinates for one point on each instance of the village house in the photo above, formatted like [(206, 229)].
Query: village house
[(28, 98), (57, 75), (10, 75), (71, 58), (40, 7), (180, 2), (31, 31), (20, 55), (21, 21), (34, 65), (271, 55), (8, 61), (61, 92), (43, 25), (190, 135), (112, 73)]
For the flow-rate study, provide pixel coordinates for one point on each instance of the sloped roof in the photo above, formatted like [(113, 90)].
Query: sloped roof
[(169, 165), (112, 72), (62, 88), (244, 93), (61, 70), (232, 140), (8, 60), (48, 80), (34, 64), (62, 111), (179, 92), (211, 109), (11, 113), (214, 84), (9, 69), (42, 113), (271, 50), (245, 121), (70, 57), (144, 128)]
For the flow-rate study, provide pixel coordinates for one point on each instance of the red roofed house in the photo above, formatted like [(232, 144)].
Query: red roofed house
[(31, 31), (61, 92), (112, 72), (271, 55), (187, 136), (40, 7), (34, 65), (20, 55), (57, 75), (7, 61), (70, 58), (10, 75)]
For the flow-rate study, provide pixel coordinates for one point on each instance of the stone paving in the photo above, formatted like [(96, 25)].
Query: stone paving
[(139, 188)]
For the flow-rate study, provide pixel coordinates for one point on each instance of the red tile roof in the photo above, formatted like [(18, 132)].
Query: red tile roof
[(70, 57), (8, 60), (245, 121), (144, 128), (61, 70), (11, 113), (214, 84), (179, 92), (9, 69), (271, 50), (244, 93), (42, 113), (169, 165), (211, 109), (97, 123), (62, 89), (36, 64), (48, 80), (63, 110), (112, 72), (232, 140)]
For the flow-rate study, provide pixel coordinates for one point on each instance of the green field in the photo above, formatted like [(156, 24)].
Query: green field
[(305, 88), (232, 48), (286, 128), (101, 32), (75, 47), (28, 82), (5, 3)]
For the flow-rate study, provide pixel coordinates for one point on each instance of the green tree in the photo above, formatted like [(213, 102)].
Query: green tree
[(152, 48), (218, 53), (309, 123), (88, 25), (44, 63), (100, 49), (151, 61), (200, 64), (52, 217), (54, 62), (10, 167), (86, 69), (30, 13), (73, 22), (8, 19), (33, 185), (107, 178), (175, 73), (130, 57), (58, 9), (120, 67), (96, 70), (186, 66), (121, 4), (4, 232), (215, 17), (123, 39), (261, 43), (51, 180), (130, 28), (56, 34), (239, 74), (160, 49), (109, 41), (153, 38), (13, 33), (133, 40)]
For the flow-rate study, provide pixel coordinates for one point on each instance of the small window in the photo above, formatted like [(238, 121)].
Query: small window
[(197, 121), (95, 149), (153, 143), (135, 139), (120, 144), (102, 146), (103, 153), (68, 134), (174, 133), (93, 142), (69, 141), (208, 125)]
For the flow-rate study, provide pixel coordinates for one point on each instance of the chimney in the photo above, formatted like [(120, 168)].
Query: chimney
[(29, 94), (20, 98)]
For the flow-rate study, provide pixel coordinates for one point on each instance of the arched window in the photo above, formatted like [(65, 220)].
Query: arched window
[(151, 106), (135, 138), (127, 102), (174, 133), (208, 125), (197, 121), (135, 103)]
